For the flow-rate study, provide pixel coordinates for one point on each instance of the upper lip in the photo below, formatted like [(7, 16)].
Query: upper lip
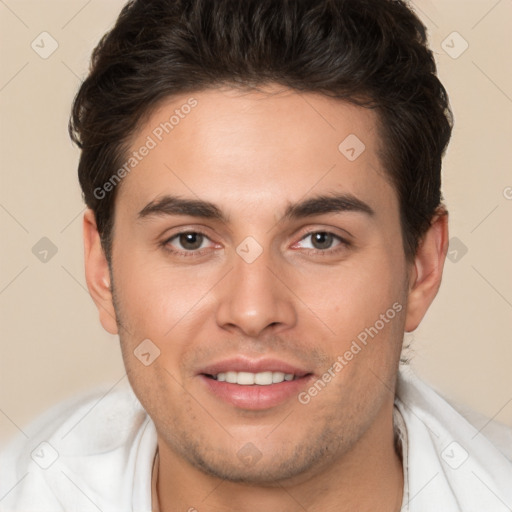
[(241, 364)]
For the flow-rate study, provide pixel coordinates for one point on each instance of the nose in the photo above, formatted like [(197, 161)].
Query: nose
[(254, 297)]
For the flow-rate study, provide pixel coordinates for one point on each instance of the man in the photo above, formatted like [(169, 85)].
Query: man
[(265, 222)]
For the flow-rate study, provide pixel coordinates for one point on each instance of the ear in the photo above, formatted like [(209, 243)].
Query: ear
[(427, 270), (97, 273)]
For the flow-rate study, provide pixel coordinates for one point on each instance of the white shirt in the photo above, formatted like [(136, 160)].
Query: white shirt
[(97, 452)]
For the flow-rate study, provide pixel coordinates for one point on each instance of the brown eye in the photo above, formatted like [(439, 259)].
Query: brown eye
[(322, 240), (187, 243), (191, 241), (190, 244)]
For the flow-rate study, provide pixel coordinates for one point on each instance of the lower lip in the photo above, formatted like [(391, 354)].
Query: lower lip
[(256, 397)]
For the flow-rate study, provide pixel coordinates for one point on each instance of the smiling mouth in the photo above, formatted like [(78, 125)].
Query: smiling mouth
[(265, 378)]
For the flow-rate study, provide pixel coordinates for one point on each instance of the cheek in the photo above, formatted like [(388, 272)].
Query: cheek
[(157, 305), (353, 296), (364, 309), (156, 298)]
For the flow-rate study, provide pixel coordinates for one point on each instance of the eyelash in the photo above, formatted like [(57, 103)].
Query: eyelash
[(344, 244), (186, 254)]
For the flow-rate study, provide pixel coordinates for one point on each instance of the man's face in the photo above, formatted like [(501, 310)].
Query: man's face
[(255, 290)]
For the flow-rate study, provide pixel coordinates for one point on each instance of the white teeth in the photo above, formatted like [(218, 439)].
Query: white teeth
[(248, 378), (263, 378), (231, 377), (245, 378), (277, 377)]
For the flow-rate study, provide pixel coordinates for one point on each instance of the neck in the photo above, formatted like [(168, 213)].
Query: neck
[(369, 477)]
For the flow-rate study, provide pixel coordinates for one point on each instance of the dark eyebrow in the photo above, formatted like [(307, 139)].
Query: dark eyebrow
[(318, 205), (172, 205), (334, 203)]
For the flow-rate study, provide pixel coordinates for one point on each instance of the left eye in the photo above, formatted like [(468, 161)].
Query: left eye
[(190, 241), (321, 240)]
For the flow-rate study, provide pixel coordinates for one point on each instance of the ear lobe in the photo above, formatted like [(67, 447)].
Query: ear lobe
[(426, 274), (97, 273)]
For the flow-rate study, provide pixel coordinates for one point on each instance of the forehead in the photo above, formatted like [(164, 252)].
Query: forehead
[(255, 147)]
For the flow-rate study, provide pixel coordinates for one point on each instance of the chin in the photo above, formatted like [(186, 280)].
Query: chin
[(271, 466)]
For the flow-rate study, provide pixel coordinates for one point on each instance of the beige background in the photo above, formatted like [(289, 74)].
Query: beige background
[(52, 345)]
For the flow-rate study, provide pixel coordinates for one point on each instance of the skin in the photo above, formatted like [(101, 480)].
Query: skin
[(253, 154)]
